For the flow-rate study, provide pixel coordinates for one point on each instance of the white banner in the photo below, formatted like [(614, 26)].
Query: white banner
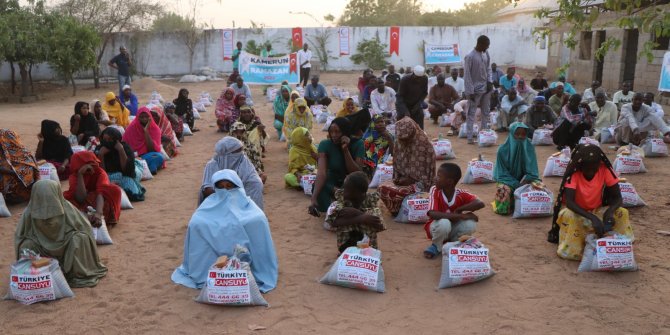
[(344, 41), (227, 44)]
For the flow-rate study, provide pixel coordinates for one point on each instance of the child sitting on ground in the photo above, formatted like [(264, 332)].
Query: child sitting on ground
[(355, 213), (451, 210)]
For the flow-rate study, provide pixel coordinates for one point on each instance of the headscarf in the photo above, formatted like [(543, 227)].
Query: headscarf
[(296, 119), (279, 106), (225, 107), (112, 158), (87, 124), (515, 159), (117, 111), (165, 126), (374, 143), (237, 101), (16, 159), (581, 154), (134, 134), (183, 105), (360, 121), (291, 104), (301, 150), (54, 147), (414, 158), (344, 111), (98, 115), (72, 231), (97, 181), (522, 87)]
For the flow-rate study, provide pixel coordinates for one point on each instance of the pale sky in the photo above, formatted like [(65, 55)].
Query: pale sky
[(275, 14)]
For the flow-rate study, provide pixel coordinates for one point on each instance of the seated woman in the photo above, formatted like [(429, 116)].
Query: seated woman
[(378, 143), (338, 157), (516, 165), (52, 227), (574, 120), (118, 114), (184, 109), (279, 106), (348, 108), (144, 137), (356, 213), (225, 219), (253, 152), (588, 186), (413, 165), (83, 123), (18, 168), (100, 115), (168, 137), (176, 123), (255, 129), (229, 155), (225, 107), (90, 186), (54, 148), (118, 160), (301, 154), (299, 116)]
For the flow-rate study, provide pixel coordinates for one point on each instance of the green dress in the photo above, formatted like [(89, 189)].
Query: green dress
[(337, 169)]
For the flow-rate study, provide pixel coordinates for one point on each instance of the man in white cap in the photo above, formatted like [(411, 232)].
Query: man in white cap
[(412, 90), (478, 84), (129, 100)]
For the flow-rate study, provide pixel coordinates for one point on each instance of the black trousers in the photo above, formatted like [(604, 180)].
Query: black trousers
[(304, 75), (564, 135)]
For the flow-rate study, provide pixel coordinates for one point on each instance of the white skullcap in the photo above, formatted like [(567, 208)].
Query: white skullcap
[(126, 87), (419, 71)]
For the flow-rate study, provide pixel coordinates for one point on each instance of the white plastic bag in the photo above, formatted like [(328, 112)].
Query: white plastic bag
[(101, 234), (557, 164), (612, 253), (358, 267), (29, 285), (233, 284), (196, 115), (307, 182), (629, 164), (629, 195), (48, 172), (533, 200), (493, 118), (199, 107), (187, 130), (607, 135), (322, 117), (329, 120), (164, 154), (487, 138), (588, 140), (542, 137), (383, 173), (446, 120), (443, 149), (414, 209), (654, 147), (125, 202), (479, 171), (463, 132), (4, 211), (464, 263), (146, 173)]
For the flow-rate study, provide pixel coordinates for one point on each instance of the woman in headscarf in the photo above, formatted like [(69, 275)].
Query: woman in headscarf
[(184, 109), (83, 123), (225, 107), (90, 186), (253, 152), (18, 169), (100, 115), (301, 155), (589, 202), (348, 107), (413, 165), (168, 137), (378, 143), (175, 121), (279, 106), (229, 155), (118, 160), (54, 148), (300, 116), (225, 219), (52, 227), (255, 128), (574, 120), (239, 101), (338, 157), (360, 122), (144, 137), (118, 114), (516, 165)]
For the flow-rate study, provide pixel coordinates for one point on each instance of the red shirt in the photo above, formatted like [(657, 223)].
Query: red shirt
[(440, 203), (589, 193)]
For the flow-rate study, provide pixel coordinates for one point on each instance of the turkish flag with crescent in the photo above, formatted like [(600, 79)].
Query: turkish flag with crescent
[(297, 37), (293, 63), (395, 41)]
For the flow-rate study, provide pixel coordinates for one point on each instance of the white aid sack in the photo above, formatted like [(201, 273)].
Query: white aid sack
[(629, 195), (654, 147), (629, 164), (588, 140), (29, 284), (414, 209), (198, 107), (463, 132), (493, 118), (487, 138), (443, 149), (359, 268), (329, 120), (146, 173), (610, 254), (48, 172), (479, 172), (196, 115), (307, 182), (125, 202), (164, 154), (187, 130), (446, 120), (230, 282), (101, 234), (531, 201), (557, 164), (607, 135), (383, 173), (542, 137), (4, 211), (322, 116), (464, 263)]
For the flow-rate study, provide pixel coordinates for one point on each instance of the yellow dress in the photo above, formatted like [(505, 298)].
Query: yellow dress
[(574, 228)]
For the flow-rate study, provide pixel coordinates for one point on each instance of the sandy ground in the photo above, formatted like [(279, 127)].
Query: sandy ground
[(533, 292)]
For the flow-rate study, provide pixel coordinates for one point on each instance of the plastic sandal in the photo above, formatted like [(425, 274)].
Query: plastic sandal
[(431, 252)]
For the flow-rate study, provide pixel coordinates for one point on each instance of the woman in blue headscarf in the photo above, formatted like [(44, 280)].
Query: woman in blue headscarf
[(516, 165), (225, 219)]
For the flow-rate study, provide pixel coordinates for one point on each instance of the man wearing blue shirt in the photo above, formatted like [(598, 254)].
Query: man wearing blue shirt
[(508, 82), (316, 94), (122, 64), (496, 74)]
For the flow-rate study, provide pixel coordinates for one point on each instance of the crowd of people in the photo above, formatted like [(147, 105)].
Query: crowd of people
[(110, 147)]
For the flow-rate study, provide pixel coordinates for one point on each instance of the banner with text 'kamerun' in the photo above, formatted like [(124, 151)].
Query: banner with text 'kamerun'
[(269, 70), (442, 54)]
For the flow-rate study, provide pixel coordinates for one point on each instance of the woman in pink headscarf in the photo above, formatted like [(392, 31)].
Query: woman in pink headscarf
[(225, 107), (168, 137), (144, 136)]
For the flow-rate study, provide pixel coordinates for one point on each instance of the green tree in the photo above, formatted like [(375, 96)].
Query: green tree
[(371, 52), (473, 13), (187, 30), (366, 13), (320, 43)]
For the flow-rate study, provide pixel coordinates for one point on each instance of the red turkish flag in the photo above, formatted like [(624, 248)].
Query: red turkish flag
[(395, 41), (297, 37), (293, 66)]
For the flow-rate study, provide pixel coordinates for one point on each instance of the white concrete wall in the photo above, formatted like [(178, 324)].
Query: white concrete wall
[(164, 55)]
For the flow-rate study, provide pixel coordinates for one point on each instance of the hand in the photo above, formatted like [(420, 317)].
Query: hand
[(62, 168), (372, 221), (84, 169), (463, 116), (40, 137), (345, 142), (77, 117), (96, 220), (598, 226), (261, 127), (313, 210), (608, 220), (349, 213), (469, 216), (435, 215)]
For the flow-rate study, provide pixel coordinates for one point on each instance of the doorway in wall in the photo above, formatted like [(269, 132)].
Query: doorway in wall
[(630, 55), (600, 39)]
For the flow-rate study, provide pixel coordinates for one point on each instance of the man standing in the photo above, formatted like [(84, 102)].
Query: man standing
[(236, 56), (393, 78), (316, 94), (649, 101), (496, 74), (625, 96), (441, 97), (636, 121), (478, 85), (606, 113), (509, 81), (304, 59), (382, 100), (122, 64), (457, 83), (412, 90), (129, 100)]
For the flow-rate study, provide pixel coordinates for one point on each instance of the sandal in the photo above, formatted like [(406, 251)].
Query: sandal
[(431, 252)]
